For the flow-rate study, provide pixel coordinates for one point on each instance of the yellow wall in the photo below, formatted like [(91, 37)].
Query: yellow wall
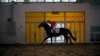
[(75, 16), (55, 17), (34, 16)]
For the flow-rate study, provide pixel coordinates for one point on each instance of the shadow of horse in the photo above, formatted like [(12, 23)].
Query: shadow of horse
[(62, 31)]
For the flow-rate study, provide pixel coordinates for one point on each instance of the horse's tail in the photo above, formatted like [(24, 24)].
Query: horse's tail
[(70, 33)]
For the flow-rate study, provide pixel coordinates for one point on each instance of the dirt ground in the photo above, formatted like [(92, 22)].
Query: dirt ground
[(50, 50)]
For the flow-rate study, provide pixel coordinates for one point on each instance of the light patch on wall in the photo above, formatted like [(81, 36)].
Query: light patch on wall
[(68, 0)]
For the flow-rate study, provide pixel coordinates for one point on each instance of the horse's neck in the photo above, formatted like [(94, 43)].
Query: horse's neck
[(47, 28)]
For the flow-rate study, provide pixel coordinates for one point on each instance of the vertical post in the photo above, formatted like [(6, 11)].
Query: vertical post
[(45, 20), (11, 6), (75, 31), (30, 27), (80, 38), (12, 25), (65, 22), (35, 40), (84, 30)]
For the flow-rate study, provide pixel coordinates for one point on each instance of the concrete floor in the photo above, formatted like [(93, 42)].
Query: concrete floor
[(50, 50)]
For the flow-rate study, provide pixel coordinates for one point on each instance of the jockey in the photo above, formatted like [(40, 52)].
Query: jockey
[(53, 25)]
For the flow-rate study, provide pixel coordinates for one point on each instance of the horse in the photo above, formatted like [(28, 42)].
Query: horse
[(62, 31)]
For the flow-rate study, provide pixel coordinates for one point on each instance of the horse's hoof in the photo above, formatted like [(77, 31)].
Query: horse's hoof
[(42, 44), (65, 44)]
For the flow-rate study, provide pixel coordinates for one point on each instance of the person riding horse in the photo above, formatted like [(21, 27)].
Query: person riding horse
[(53, 25), (62, 31)]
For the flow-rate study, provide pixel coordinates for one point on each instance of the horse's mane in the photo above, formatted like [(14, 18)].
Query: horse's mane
[(46, 25)]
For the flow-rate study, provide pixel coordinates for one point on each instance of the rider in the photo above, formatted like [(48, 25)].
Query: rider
[(53, 25)]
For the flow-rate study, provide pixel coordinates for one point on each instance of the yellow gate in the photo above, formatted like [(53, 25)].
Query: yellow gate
[(75, 22), (72, 20), (33, 33)]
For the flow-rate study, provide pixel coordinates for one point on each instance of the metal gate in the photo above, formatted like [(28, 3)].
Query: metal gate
[(34, 35), (71, 20), (77, 29)]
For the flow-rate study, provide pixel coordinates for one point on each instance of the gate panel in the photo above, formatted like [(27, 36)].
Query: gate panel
[(29, 33), (75, 22), (33, 34), (70, 25), (77, 29), (39, 34)]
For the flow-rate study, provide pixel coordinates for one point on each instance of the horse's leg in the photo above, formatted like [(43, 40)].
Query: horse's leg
[(44, 40), (66, 38), (71, 35), (70, 40), (51, 40)]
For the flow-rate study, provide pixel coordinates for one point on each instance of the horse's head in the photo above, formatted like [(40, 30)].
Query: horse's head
[(44, 24), (41, 24)]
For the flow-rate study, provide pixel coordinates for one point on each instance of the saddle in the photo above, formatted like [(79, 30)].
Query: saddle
[(55, 30)]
